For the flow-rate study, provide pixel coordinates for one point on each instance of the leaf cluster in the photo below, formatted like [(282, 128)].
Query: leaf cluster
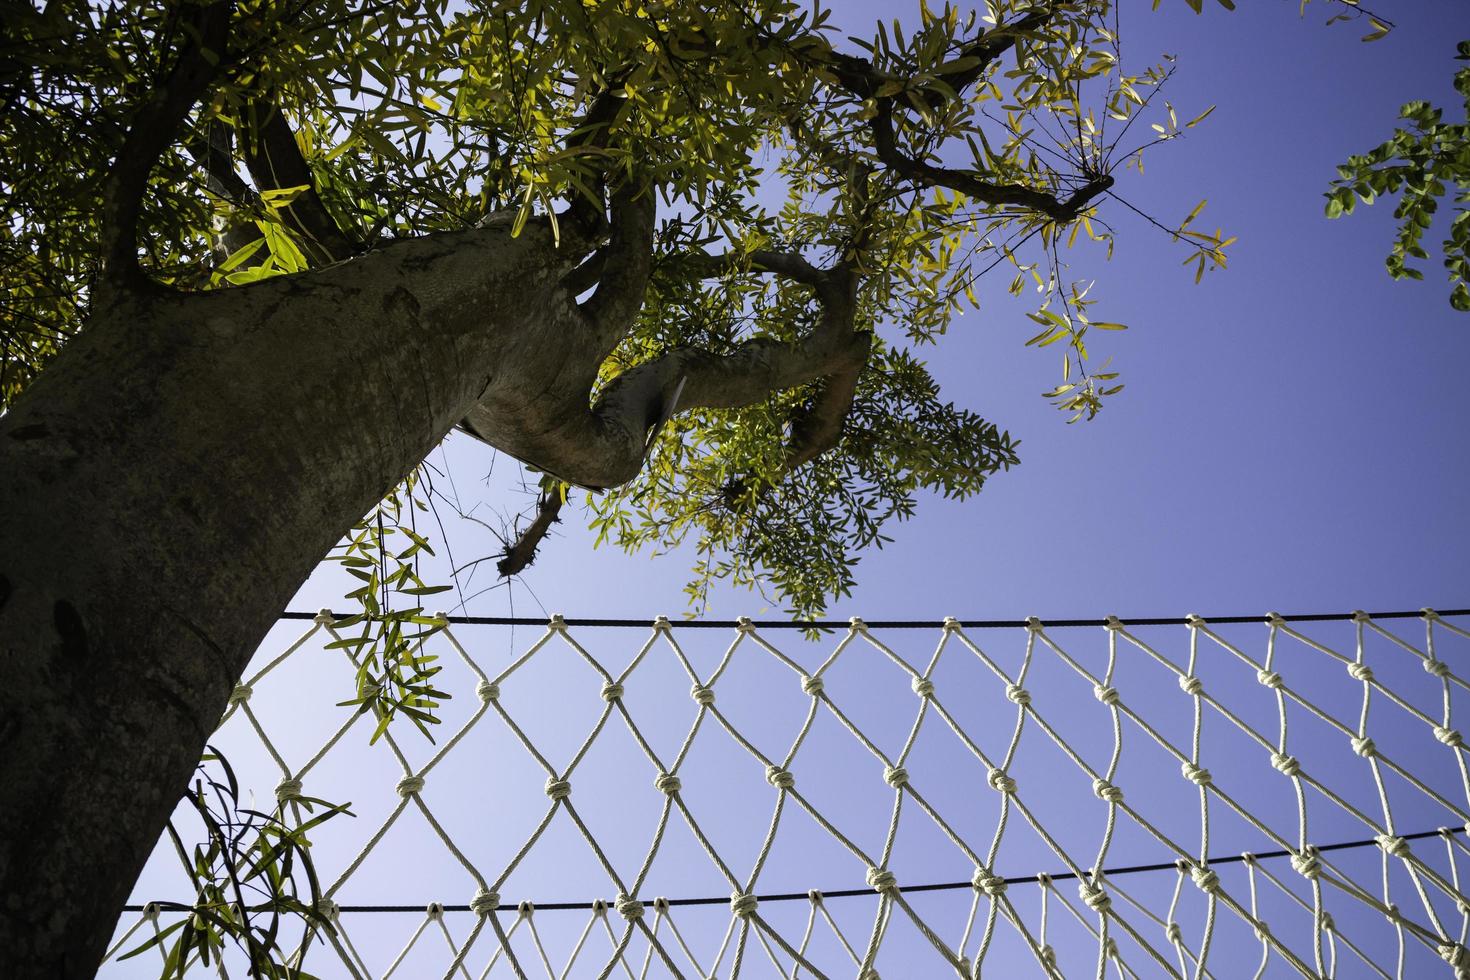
[(1425, 160), (251, 874)]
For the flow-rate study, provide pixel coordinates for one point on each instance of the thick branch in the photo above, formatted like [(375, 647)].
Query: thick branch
[(625, 263), (591, 132), (275, 161), (158, 122), (819, 428), (789, 264), (214, 151)]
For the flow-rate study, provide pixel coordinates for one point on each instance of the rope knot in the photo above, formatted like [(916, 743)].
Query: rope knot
[(661, 623), (1275, 619), (743, 904), (922, 686), (324, 617), (1437, 667), (1455, 955), (667, 782), (409, 785), (611, 691), (896, 776), (1113, 624), (1262, 929), (1196, 774), (241, 694), (557, 624), (744, 625), (1269, 678), (629, 908), (1107, 694), (703, 696), (1191, 685), (811, 685), (1173, 933), (485, 902), (1017, 694), (1306, 863), (1048, 956), (1094, 897), (151, 911), (951, 624), (779, 777), (487, 691), (1196, 621), (1328, 925), (558, 789), (1000, 782), (881, 880), (288, 789), (989, 883), (1360, 672), (434, 911), (1363, 746), (327, 909), (1205, 879), (525, 908), (1287, 765), (1034, 625), (856, 624), (1449, 736), (1393, 846), (1105, 790), (1361, 617)]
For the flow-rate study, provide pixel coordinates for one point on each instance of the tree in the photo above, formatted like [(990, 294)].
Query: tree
[(261, 256)]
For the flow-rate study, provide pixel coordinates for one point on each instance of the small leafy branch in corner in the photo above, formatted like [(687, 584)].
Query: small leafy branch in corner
[(252, 871), (1417, 163), (394, 674)]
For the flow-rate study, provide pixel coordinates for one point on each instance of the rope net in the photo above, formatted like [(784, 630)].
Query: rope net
[(1292, 800)]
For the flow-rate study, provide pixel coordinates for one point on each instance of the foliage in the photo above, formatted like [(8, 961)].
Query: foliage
[(923, 155), (248, 874), (394, 674), (1417, 163)]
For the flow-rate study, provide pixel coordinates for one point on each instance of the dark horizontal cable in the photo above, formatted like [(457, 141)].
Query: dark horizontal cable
[(905, 889), (817, 624)]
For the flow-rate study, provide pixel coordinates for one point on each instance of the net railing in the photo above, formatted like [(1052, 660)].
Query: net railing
[(1188, 799)]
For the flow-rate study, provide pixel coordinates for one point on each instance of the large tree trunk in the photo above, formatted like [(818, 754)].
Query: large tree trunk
[(166, 485)]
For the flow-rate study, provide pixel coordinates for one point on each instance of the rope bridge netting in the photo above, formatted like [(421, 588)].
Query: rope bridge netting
[(1186, 798)]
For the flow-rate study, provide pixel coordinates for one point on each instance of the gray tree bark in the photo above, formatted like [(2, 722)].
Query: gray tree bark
[(167, 483)]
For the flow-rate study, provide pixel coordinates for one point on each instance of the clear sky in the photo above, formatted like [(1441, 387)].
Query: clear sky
[(1292, 438)]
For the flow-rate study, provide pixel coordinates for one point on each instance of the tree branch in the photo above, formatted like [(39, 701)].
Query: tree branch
[(624, 265), (275, 161), (966, 182), (157, 125), (521, 553), (591, 132), (861, 78), (214, 151)]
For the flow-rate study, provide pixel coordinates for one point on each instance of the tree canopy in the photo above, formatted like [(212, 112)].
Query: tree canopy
[(810, 187)]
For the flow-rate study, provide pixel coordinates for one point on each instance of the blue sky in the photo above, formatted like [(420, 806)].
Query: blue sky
[(1292, 438)]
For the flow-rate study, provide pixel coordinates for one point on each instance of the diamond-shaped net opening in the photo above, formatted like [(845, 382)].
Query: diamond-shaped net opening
[(1263, 800)]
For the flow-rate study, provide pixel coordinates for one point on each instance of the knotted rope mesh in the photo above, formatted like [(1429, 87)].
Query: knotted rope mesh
[(1190, 800)]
